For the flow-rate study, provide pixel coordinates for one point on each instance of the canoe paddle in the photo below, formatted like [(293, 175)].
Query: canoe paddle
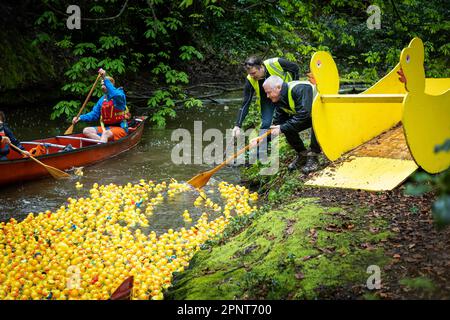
[(56, 173), (200, 180), (70, 129)]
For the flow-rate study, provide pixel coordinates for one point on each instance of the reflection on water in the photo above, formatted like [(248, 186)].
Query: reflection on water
[(150, 160)]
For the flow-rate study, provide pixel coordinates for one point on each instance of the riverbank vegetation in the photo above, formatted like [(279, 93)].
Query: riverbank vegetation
[(156, 49)]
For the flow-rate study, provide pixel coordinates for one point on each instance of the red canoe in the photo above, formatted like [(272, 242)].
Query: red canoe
[(85, 152)]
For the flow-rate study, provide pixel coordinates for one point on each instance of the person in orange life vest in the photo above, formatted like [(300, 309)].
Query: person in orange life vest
[(111, 110), (7, 137)]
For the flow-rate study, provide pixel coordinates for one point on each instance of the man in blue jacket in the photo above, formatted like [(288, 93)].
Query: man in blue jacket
[(111, 110)]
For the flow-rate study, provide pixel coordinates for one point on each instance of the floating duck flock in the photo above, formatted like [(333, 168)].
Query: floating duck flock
[(86, 249)]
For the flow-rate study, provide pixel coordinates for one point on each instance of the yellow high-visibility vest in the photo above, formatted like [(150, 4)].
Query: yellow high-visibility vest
[(274, 68), (291, 101)]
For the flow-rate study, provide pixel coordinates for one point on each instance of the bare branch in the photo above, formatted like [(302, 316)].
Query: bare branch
[(90, 19)]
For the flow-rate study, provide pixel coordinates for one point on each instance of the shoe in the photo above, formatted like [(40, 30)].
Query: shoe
[(312, 163), (298, 161)]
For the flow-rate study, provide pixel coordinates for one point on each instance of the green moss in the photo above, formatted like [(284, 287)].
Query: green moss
[(290, 253), (418, 283), (370, 296)]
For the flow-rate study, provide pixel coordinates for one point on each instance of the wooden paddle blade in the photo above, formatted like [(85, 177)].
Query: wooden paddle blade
[(124, 291), (56, 173), (69, 130), (200, 180)]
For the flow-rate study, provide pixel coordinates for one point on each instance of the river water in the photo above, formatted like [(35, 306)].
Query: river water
[(150, 160)]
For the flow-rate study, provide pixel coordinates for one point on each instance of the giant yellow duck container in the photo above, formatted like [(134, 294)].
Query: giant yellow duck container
[(344, 122), (426, 115)]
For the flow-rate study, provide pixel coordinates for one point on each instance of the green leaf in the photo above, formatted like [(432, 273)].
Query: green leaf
[(187, 53), (273, 196), (65, 43), (68, 108), (441, 210), (41, 38), (186, 3), (443, 147), (97, 9), (80, 48), (417, 190), (161, 68), (47, 16), (192, 102), (89, 63), (109, 42), (173, 76), (172, 23), (216, 11), (164, 55), (422, 177)]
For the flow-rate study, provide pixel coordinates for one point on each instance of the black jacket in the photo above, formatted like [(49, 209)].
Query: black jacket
[(249, 90), (303, 98)]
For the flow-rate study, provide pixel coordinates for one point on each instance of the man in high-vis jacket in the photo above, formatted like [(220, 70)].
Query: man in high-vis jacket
[(293, 102), (257, 72)]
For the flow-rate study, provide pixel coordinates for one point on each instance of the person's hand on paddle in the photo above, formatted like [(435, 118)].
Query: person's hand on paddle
[(6, 140), (25, 153), (75, 120), (275, 130), (254, 142), (236, 131), (102, 73)]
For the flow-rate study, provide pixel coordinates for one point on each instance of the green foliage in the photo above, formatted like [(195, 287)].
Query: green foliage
[(440, 184), (441, 210), (189, 52), (443, 147), (161, 40), (49, 18), (66, 108), (109, 42), (122, 48), (253, 118), (23, 63), (40, 39), (418, 283), (193, 103)]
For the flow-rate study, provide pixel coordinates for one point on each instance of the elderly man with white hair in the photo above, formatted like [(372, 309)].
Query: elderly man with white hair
[(293, 102)]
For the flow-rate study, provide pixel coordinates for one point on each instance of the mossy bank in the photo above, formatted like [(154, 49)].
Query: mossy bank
[(293, 248)]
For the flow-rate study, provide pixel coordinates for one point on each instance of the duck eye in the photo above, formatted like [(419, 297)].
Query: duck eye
[(319, 63), (408, 58)]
